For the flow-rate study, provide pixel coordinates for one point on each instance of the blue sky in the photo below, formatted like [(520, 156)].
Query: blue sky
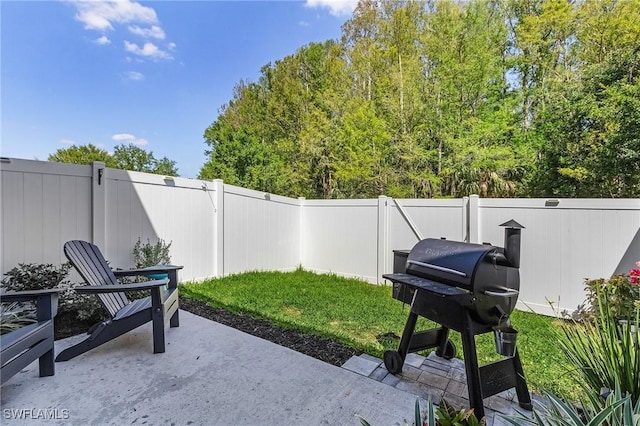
[(150, 73)]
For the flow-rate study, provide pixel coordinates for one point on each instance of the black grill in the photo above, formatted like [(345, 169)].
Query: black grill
[(469, 288)]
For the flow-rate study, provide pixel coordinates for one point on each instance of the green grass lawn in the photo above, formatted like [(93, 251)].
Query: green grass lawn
[(366, 317)]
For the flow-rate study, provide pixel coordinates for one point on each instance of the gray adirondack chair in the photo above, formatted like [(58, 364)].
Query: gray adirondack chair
[(124, 315), (22, 346)]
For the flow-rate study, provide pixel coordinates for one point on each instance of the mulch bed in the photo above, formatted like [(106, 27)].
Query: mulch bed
[(67, 325), (324, 349)]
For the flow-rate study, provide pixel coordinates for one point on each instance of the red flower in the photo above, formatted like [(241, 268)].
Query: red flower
[(634, 274)]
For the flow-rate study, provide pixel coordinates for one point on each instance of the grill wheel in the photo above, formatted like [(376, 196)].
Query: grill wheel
[(449, 351), (393, 361)]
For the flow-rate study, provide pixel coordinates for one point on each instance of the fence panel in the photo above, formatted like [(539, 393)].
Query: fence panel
[(565, 243), (151, 207), (433, 218), (261, 231), (340, 236), (42, 206), (218, 229)]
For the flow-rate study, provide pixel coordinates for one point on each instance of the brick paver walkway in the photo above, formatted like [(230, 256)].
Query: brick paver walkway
[(433, 378)]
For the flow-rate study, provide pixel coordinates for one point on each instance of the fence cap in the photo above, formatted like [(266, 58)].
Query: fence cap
[(512, 224)]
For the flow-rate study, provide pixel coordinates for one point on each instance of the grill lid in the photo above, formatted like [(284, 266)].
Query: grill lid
[(447, 261)]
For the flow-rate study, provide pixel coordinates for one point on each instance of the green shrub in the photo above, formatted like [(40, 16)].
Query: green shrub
[(444, 415), (14, 316), (617, 409), (147, 254), (144, 255), (85, 307), (34, 276), (622, 293), (448, 416), (605, 351)]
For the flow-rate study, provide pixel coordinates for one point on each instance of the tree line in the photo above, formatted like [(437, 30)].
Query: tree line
[(126, 157), (445, 98)]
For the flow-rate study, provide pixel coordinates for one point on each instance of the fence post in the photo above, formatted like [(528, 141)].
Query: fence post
[(383, 237), (302, 235), (474, 220), (465, 219), (98, 204), (218, 246)]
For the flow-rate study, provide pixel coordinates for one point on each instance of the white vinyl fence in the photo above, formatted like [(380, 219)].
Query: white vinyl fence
[(217, 229)]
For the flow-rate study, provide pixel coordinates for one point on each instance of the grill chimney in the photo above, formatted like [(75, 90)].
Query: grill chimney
[(512, 242)]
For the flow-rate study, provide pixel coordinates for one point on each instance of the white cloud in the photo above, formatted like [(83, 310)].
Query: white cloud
[(129, 138), (123, 137), (103, 40), (152, 32), (134, 75), (148, 50), (336, 7), (101, 15), (67, 142), (303, 23), (111, 15)]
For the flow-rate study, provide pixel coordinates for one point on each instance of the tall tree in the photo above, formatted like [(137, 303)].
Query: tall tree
[(444, 98), (83, 154), (131, 157), (124, 157), (592, 129), (360, 36)]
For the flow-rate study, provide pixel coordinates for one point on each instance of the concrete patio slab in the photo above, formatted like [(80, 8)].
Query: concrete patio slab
[(210, 374)]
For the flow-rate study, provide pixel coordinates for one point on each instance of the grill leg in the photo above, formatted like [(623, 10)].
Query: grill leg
[(471, 367), (395, 360), (444, 350), (407, 334), (524, 398)]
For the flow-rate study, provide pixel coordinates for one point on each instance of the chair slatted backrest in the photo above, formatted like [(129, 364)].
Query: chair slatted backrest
[(93, 268)]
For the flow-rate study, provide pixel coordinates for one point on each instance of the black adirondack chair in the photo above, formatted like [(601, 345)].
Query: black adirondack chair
[(124, 315), (22, 346)]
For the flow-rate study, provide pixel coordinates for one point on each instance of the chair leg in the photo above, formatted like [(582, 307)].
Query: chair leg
[(158, 332), (175, 320), (80, 348), (47, 364), (106, 331)]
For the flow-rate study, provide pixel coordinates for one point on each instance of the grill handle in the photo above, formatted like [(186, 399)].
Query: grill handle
[(508, 293), (437, 268)]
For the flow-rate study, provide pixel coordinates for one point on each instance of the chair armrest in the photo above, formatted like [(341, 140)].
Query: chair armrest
[(46, 301), (25, 296), (113, 288), (157, 269)]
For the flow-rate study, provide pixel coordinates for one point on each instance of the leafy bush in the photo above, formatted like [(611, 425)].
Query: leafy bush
[(85, 307), (33, 276), (444, 415), (148, 254), (13, 316), (616, 409), (602, 344), (144, 255), (622, 293), (448, 416), (605, 351)]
